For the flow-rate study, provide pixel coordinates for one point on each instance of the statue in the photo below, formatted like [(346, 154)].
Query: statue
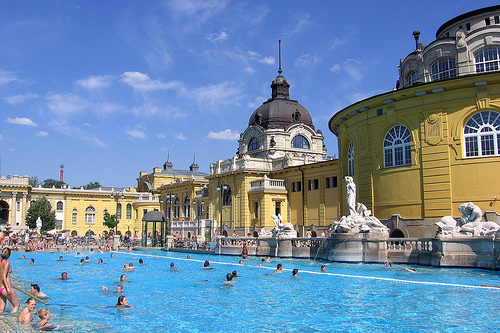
[(280, 230), (470, 223), (358, 217), (38, 224)]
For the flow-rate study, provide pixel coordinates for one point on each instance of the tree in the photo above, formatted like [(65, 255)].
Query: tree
[(110, 221), (41, 208), (33, 181), (48, 183), (92, 185)]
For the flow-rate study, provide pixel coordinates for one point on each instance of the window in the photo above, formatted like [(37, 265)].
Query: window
[(256, 210), (350, 159), (176, 208), (331, 182), (397, 147), (313, 184), (482, 134), (487, 60), (59, 205), (300, 142), (227, 196), (296, 186), (277, 208), (254, 144), (443, 69), (412, 78), (144, 212), (186, 206), (118, 211), (18, 205), (74, 218), (296, 116), (90, 215), (129, 211)]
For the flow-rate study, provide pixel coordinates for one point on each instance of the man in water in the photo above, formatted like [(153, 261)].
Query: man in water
[(119, 289), (35, 290), (64, 276)]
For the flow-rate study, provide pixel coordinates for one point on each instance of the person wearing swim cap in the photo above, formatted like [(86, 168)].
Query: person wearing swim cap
[(172, 266)]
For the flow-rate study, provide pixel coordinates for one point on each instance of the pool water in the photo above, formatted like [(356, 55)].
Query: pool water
[(347, 298)]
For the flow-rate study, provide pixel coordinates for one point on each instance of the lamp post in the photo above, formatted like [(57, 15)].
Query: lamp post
[(222, 187), (199, 212)]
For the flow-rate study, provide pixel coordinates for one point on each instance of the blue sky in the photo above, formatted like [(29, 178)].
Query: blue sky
[(107, 88)]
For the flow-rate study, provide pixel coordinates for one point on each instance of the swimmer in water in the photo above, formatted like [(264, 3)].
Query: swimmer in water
[(119, 289), (25, 316), (64, 276), (206, 265), (172, 266), (60, 258), (35, 290), (82, 261), (123, 279), (32, 261), (235, 274), (100, 261), (323, 268), (229, 279), (123, 303), (295, 272), (141, 261), (279, 269), (45, 316)]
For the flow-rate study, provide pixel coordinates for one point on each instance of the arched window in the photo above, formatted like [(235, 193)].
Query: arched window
[(254, 144), (129, 211), (397, 147), (350, 159), (59, 205), (412, 78), (443, 69), (90, 215), (177, 208), (227, 196), (487, 60), (482, 134), (186, 206), (300, 142), (118, 211)]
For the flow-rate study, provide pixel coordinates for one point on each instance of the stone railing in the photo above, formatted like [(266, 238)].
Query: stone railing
[(266, 183), (409, 244)]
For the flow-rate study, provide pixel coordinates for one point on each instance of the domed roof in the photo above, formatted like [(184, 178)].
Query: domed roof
[(280, 111)]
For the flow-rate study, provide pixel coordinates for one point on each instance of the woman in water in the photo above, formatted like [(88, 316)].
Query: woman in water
[(25, 315), (123, 278), (123, 303), (45, 316), (7, 292)]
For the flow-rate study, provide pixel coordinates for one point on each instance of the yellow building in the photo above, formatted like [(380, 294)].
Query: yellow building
[(78, 210), (433, 143)]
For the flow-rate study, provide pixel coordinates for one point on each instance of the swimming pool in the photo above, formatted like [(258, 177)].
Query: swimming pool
[(347, 297)]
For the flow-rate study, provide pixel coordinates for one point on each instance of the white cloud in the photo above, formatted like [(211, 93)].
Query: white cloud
[(336, 68), (140, 81), (7, 77), (72, 131), (201, 9), (42, 134), (217, 37), (307, 60), (257, 57), (249, 70), (21, 121), (95, 82), (352, 69), (180, 136), (210, 97), (302, 23), (137, 134), (224, 135), (20, 98), (162, 136), (66, 104)]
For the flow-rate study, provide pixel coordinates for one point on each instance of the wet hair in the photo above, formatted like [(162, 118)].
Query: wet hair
[(100, 260), (64, 273), (30, 299), (295, 271), (41, 312), (235, 273), (119, 287), (121, 276), (120, 300), (323, 266), (87, 258), (206, 263), (229, 276), (263, 259), (279, 266), (36, 287), (141, 261), (82, 260)]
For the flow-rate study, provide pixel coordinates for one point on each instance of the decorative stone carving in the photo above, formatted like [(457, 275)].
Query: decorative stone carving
[(281, 230), (359, 217), (470, 224)]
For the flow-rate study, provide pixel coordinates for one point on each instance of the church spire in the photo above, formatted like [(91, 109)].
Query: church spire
[(280, 86), (168, 165), (194, 167)]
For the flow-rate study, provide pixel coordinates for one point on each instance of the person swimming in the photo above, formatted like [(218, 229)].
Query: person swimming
[(25, 316), (123, 279), (35, 290), (206, 265), (45, 316), (295, 272), (123, 303), (172, 266), (279, 269), (119, 289)]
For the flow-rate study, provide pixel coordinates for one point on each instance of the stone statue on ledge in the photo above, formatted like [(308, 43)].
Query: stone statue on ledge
[(359, 217), (280, 230), (470, 224)]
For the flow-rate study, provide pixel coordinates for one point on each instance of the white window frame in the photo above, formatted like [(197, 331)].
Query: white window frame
[(482, 134)]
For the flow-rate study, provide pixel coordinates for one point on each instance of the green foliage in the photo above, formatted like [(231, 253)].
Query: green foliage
[(41, 208), (92, 185), (33, 181), (110, 221), (48, 183)]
